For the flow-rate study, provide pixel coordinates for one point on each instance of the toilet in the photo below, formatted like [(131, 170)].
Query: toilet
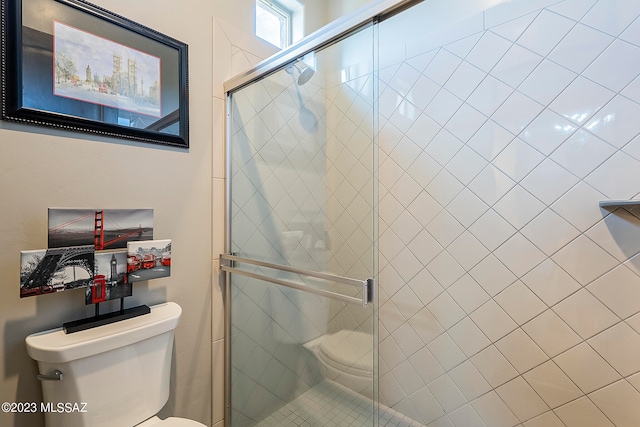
[(121, 371), (345, 357)]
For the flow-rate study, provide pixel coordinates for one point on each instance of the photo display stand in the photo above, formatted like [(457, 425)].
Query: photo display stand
[(103, 252), (105, 319)]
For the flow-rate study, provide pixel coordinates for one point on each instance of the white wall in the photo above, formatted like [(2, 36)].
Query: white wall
[(41, 167), (338, 8), (242, 14)]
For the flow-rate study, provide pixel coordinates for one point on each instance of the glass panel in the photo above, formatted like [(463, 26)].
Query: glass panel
[(302, 179), (291, 361), (509, 296)]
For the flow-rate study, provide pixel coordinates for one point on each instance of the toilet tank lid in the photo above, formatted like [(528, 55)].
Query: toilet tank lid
[(55, 346)]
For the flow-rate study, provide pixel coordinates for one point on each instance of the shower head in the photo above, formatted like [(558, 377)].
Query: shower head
[(304, 72)]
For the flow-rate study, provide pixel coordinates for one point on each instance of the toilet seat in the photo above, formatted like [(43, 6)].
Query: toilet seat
[(170, 422)]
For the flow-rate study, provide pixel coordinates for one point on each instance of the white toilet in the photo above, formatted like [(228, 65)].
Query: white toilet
[(345, 357), (121, 371)]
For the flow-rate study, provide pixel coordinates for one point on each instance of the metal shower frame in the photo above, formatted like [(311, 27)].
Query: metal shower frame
[(330, 34)]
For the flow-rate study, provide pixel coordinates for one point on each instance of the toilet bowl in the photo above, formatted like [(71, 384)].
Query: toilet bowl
[(121, 371), (346, 357)]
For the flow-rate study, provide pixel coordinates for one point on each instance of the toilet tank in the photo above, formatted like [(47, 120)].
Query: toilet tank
[(120, 371)]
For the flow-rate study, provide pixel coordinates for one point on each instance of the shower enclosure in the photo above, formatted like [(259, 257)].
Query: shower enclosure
[(301, 258), (431, 220)]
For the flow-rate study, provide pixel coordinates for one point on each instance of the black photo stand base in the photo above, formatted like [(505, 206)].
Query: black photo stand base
[(105, 319)]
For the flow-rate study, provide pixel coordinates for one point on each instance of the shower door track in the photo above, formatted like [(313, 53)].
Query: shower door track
[(366, 285), (326, 35)]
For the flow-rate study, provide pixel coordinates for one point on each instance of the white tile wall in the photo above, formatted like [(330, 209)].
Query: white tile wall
[(517, 132)]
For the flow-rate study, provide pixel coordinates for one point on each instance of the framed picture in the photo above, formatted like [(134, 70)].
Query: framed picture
[(148, 260), (106, 229), (110, 278), (54, 270), (80, 67)]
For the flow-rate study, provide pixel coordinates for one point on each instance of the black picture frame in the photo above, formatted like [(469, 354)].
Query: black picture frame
[(73, 65)]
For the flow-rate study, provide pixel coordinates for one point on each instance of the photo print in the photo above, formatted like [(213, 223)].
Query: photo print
[(148, 260), (110, 278), (105, 229), (77, 66), (127, 79), (54, 270)]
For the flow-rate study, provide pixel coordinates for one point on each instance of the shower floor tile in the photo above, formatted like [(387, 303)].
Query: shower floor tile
[(329, 404)]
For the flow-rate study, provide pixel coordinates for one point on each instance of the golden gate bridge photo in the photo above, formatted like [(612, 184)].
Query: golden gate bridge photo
[(105, 229)]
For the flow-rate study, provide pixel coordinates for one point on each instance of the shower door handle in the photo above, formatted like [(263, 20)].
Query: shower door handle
[(366, 286)]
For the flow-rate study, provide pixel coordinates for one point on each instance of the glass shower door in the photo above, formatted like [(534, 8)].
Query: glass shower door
[(301, 258)]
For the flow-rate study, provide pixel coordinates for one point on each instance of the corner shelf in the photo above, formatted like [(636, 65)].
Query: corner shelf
[(630, 205)]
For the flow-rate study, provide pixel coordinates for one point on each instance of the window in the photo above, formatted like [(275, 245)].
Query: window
[(273, 23)]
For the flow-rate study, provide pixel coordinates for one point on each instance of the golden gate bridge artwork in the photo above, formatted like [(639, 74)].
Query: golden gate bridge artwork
[(101, 250), (85, 245), (105, 228)]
